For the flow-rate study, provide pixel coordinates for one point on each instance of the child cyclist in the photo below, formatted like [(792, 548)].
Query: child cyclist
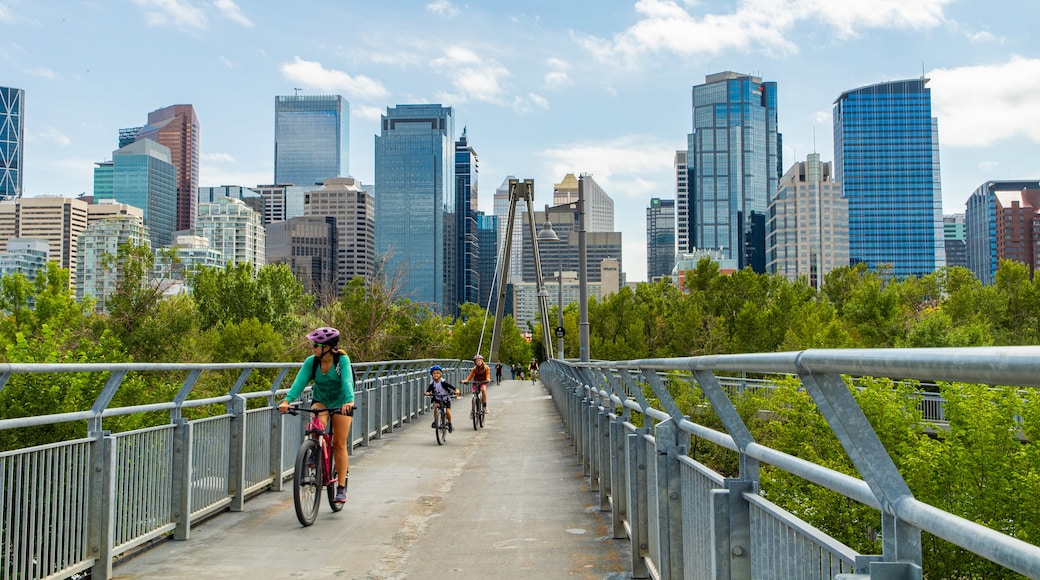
[(329, 369), (479, 376), (442, 391)]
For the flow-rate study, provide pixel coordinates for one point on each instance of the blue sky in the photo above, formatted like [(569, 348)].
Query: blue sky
[(544, 87)]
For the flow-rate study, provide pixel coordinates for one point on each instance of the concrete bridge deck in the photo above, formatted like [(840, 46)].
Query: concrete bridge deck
[(507, 501)]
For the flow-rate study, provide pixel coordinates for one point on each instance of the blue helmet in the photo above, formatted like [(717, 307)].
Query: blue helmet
[(436, 368)]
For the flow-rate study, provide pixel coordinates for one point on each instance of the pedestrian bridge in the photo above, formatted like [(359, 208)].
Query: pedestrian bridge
[(609, 491)]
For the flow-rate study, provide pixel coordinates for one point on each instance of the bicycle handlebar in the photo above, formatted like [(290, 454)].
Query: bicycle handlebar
[(333, 411)]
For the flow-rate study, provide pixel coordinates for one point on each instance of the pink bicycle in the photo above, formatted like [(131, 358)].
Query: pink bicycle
[(315, 467)]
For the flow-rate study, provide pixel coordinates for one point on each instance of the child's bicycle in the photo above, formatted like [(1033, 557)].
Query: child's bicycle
[(440, 419), (477, 406), (315, 467)]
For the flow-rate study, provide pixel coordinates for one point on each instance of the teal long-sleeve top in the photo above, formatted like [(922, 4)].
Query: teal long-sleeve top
[(332, 389)]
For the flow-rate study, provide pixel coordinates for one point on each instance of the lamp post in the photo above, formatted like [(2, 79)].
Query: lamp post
[(548, 234), (522, 190), (583, 287)]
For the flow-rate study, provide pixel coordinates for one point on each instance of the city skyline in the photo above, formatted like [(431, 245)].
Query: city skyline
[(544, 90)]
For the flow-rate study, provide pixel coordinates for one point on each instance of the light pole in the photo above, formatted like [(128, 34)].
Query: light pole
[(548, 234), (583, 287)]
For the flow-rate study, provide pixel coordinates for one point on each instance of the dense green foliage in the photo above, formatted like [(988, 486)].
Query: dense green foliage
[(978, 468)]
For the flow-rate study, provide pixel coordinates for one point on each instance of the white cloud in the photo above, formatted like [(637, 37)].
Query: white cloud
[(217, 157), (367, 113), (625, 167), (988, 166), (175, 12), (313, 75), (558, 77), (530, 102), (442, 8), (474, 78), (5, 14), (231, 11), (755, 26), (980, 105), (42, 72), (54, 135)]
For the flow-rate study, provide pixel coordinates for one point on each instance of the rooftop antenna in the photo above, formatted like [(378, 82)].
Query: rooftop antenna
[(297, 91)]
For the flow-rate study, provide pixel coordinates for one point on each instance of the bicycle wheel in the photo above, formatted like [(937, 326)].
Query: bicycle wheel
[(330, 486), (474, 411), (480, 415), (307, 482), (442, 427)]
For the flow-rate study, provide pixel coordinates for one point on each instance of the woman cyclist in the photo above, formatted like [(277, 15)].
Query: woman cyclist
[(329, 369), (480, 375), (442, 392)]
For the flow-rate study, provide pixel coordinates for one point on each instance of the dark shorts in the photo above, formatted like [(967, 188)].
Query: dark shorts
[(443, 401)]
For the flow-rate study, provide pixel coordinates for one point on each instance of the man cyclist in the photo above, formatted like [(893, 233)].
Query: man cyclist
[(533, 368), (329, 369), (442, 392), (479, 376)]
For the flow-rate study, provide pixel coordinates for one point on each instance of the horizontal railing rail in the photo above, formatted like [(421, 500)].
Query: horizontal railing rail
[(686, 521), (72, 508)]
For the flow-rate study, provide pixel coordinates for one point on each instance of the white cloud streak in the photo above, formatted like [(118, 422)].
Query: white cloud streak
[(175, 12), (313, 75), (474, 78), (622, 166), (978, 106), (442, 8), (228, 9)]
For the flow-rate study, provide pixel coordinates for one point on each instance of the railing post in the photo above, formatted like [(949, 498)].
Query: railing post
[(237, 456), (277, 450), (638, 497), (592, 442), (366, 423), (377, 395), (669, 499), (101, 526), (181, 478), (605, 488), (618, 478)]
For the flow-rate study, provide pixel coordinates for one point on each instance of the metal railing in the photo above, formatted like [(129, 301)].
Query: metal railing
[(73, 507), (686, 521)]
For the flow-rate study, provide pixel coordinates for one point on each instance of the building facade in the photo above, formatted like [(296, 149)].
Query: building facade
[(660, 238), (808, 231), (25, 256), (487, 267), (353, 208), (311, 139), (177, 128), (99, 244), (734, 163), (142, 175), (599, 207), (415, 178), (683, 225), (466, 247), (12, 139), (501, 209), (886, 157), (563, 255), (234, 230), (955, 240), (981, 224), (58, 220), (309, 245)]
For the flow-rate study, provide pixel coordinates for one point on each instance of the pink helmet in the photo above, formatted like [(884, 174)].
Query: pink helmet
[(479, 357), (324, 335)]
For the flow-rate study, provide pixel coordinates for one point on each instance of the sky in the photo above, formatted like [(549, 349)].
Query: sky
[(543, 87)]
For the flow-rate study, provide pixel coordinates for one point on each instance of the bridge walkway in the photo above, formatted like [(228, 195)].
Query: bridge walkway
[(507, 501)]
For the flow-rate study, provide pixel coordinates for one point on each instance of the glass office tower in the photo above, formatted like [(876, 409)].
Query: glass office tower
[(886, 156), (660, 238), (414, 183), (177, 128), (311, 139), (467, 251), (12, 135), (142, 174), (734, 165)]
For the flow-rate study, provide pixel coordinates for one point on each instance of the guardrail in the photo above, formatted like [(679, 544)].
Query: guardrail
[(71, 508), (686, 521)]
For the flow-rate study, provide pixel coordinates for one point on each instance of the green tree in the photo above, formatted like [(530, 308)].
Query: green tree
[(234, 294)]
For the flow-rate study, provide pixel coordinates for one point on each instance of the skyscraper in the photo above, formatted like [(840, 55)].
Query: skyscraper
[(954, 240), (415, 180), (11, 139), (999, 222), (143, 175), (177, 128), (734, 164), (487, 242), (683, 225), (808, 223), (599, 207), (886, 156), (501, 210), (311, 139), (660, 238), (467, 251), (235, 230), (352, 206)]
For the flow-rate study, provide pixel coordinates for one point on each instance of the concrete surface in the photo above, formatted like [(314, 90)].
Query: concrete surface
[(507, 501)]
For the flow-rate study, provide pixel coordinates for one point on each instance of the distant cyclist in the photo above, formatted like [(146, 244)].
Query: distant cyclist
[(479, 375), (533, 369), (329, 369), (442, 392)]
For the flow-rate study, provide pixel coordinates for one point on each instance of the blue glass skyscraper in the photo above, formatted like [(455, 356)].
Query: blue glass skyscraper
[(886, 156), (142, 174), (11, 138), (311, 139), (734, 165), (467, 250), (414, 184)]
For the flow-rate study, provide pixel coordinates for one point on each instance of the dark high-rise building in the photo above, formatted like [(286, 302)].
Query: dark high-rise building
[(309, 245), (12, 137), (734, 164), (954, 230), (487, 265), (660, 238), (1002, 223), (415, 183), (177, 128), (563, 255), (466, 248), (886, 156), (311, 139)]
